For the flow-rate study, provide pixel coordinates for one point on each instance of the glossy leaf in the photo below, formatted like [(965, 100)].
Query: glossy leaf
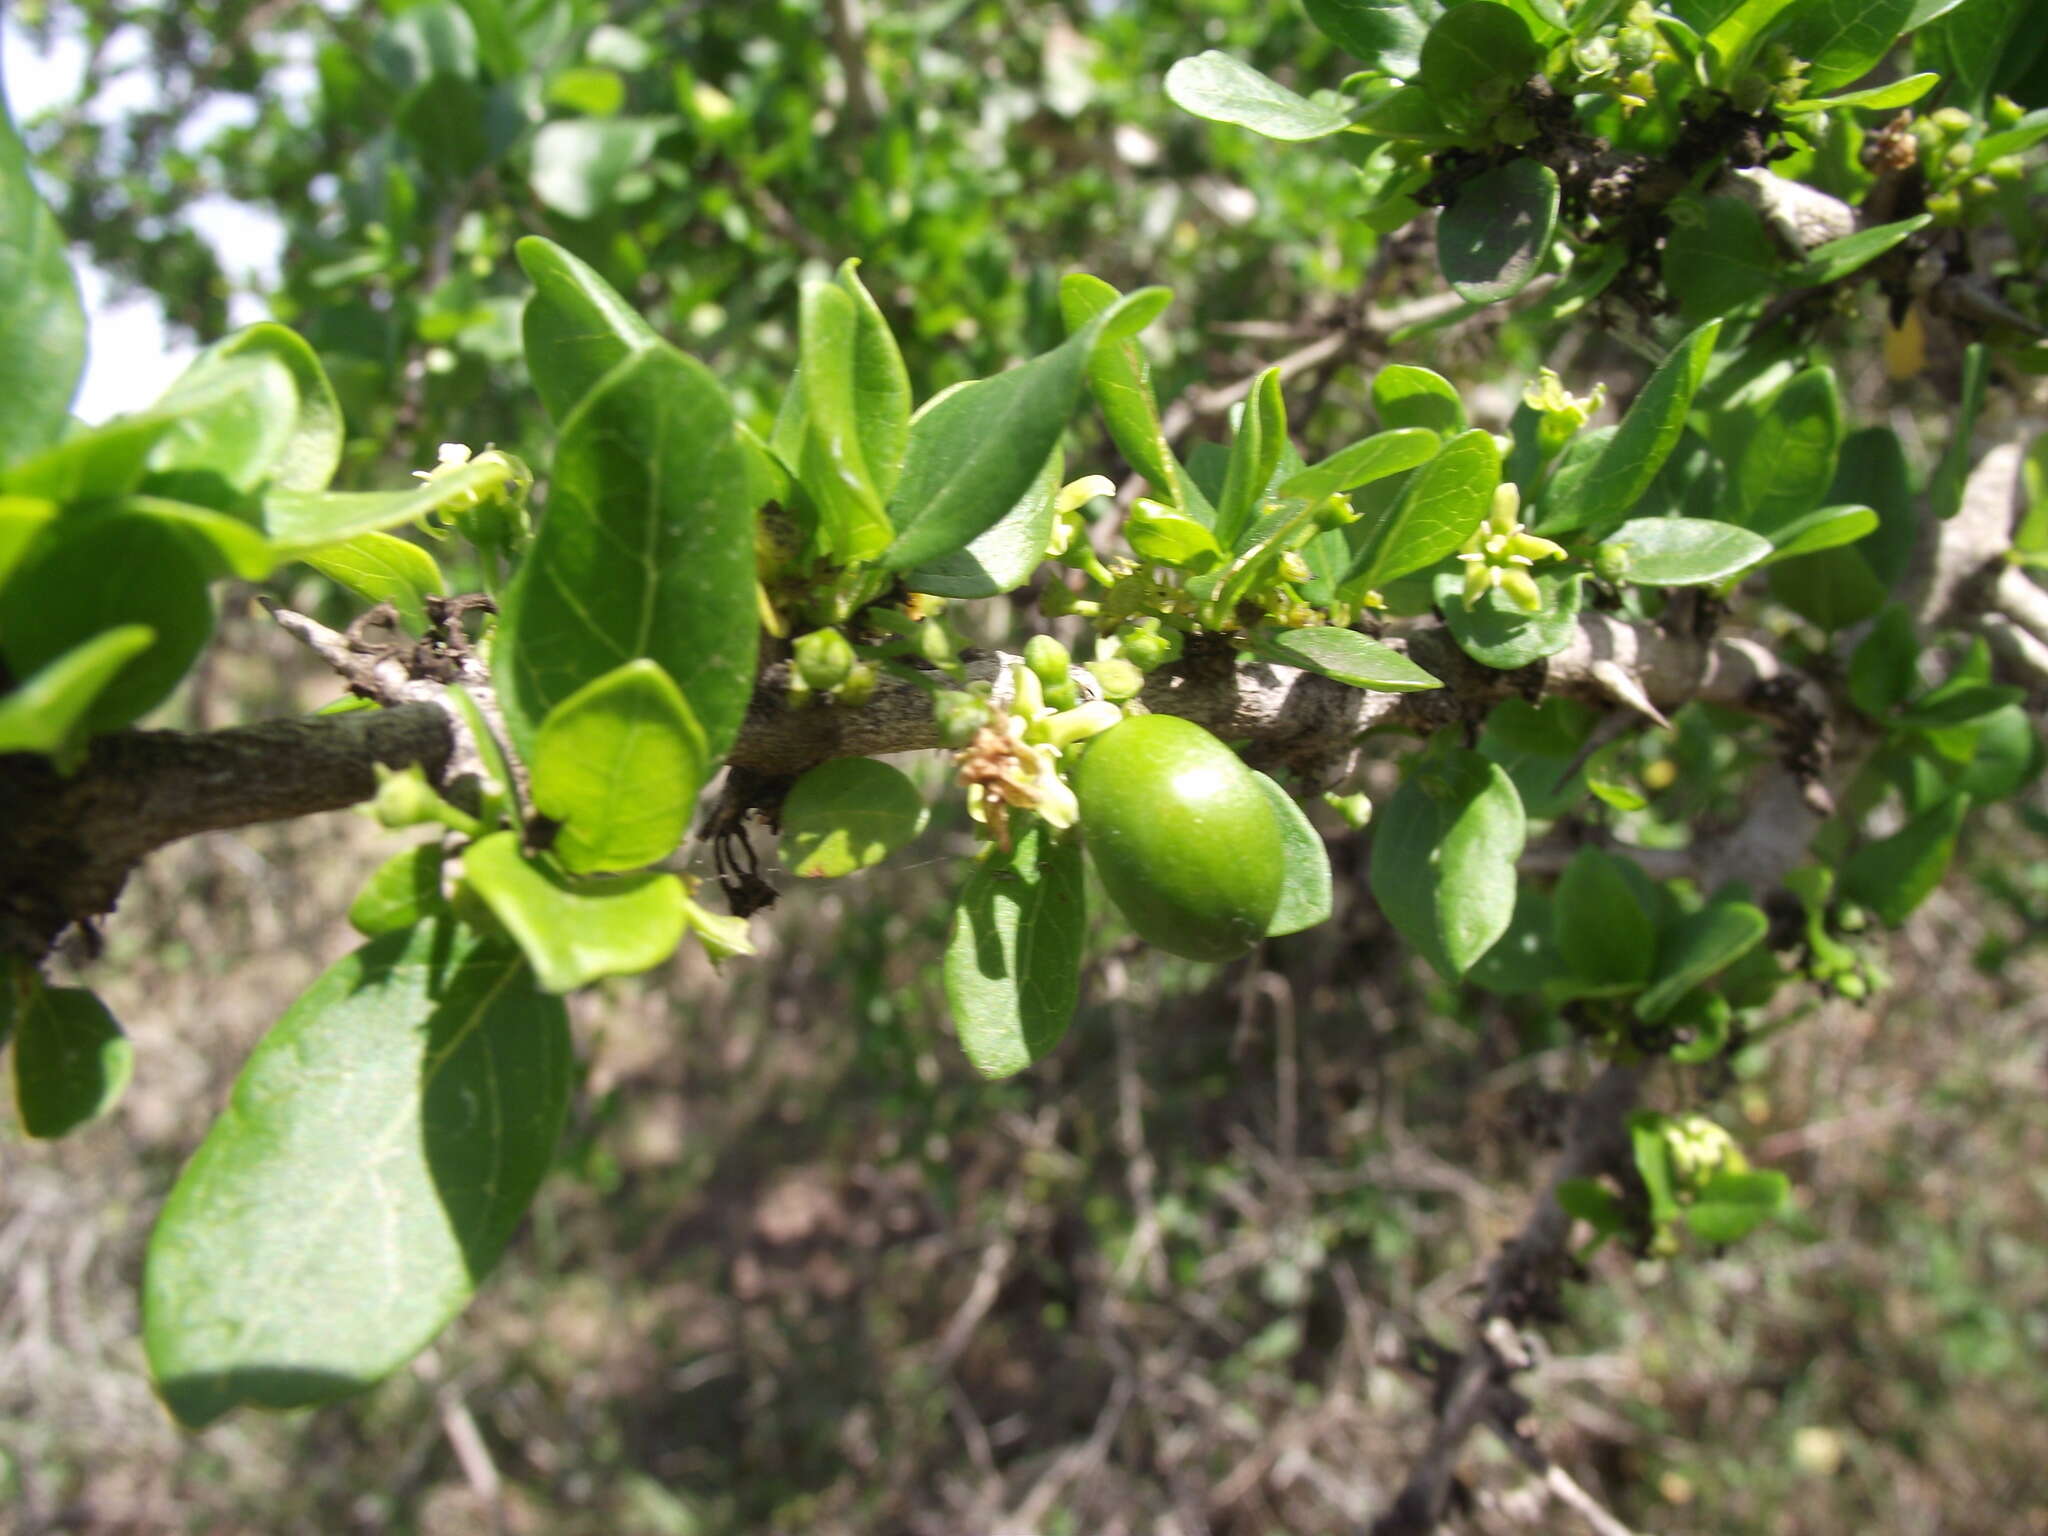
[(308, 439), (1013, 961), (42, 322), (830, 464), (1834, 588), (1824, 528), (102, 461), (1369, 459), (308, 520), (1627, 462), (1495, 633), (1384, 35), (384, 569), (880, 386), (1884, 668), (1405, 397), (1898, 93), (46, 711), (619, 763), (1443, 858), (2005, 758), (1700, 947), (22, 519), (403, 891), (1003, 556), (1473, 59), (647, 550), (1495, 233), (381, 1145), (71, 1061), (1225, 90), (1841, 40), (93, 574), (232, 420), (1836, 259), (1346, 655), (848, 814), (577, 328), (1685, 551), (1789, 460), (1444, 501), (1163, 536), (1120, 379), (976, 450), (1254, 455), (1305, 891), (1603, 933), (574, 932)]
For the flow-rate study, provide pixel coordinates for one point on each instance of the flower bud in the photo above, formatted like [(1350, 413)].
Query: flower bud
[(959, 715), (1048, 658), (859, 686), (823, 659)]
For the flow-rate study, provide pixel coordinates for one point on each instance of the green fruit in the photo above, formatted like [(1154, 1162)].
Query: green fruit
[(1184, 838)]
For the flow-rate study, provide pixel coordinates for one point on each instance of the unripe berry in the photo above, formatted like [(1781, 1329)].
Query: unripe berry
[(823, 659)]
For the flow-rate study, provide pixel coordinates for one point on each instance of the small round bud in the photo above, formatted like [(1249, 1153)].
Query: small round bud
[(959, 716), (823, 659), (1117, 678), (1048, 658), (858, 687), (1356, 809), (1612, 561)]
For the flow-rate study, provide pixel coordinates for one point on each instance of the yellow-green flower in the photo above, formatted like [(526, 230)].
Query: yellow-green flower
[(1500, 553)]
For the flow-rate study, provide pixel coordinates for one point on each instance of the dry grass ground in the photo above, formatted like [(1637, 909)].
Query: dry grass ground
[(800, 1271)]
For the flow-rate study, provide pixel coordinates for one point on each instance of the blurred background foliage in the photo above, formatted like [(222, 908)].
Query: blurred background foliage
[(803, 1272)]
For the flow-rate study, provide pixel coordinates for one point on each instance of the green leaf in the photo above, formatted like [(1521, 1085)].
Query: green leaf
[(42, 322), (303, 445), (1893, 875), (2006, 757), (98, 462), (1871, 471), (231, 421), (100, 572), (381, 1145), (22, 519), (1686, 551), (71, 1061), (1603, 933), (1717, 257), (1161, 535), (577, 328), (1384, 35), (1823, 528), (578, 163), (1523, 959), (1884, 669), (880, 386), (1013, 962), (1405, 397), (647, 549), (1305, 892), (1347, 656), (404, 890), (1841, 40), (1120, 379), (1224, 90), (1497, 634), (1495, 233), (1443, 503), (1653, 1163), (1789, 461), (1834, 588), (1733, 1204), (618, 763), (1834, 260), (1443, 858), (975, 450), (46, 712), (848, 814), (1701, 946), (309, 520), (593, 92), (384, 569), (1004, 555), (574, 932), (1618, 475), (1898, 93), (1406, 113), (225, 545), (1958, 703), (1473, 59), (1369, 459), (2018, 139), (1254, 455), (1593, 1203), (853, 527)]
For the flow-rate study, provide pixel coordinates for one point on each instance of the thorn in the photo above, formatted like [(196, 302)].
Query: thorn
[(1621, 685)]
